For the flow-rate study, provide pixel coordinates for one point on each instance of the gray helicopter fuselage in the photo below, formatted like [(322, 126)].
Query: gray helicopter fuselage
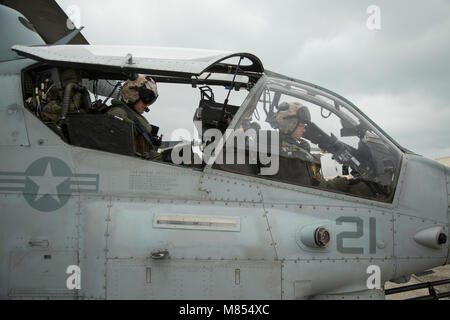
[(139, 229)]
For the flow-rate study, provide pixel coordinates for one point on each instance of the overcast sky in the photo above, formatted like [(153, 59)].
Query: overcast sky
[(398, 75)]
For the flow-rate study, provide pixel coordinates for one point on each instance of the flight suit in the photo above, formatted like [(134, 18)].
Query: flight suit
[(141, 146), (352, 186), (299, 166)]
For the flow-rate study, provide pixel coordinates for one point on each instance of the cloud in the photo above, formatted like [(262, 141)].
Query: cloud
[(399, 75), (415, 122)]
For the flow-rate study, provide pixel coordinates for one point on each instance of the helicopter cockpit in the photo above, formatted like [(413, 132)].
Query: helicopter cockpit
[(70, 90), (339, 149)]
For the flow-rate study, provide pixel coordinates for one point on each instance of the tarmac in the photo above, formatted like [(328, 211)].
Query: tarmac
[(435, 274)]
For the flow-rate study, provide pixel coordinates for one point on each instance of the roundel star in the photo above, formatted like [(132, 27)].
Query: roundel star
[(48, 183)]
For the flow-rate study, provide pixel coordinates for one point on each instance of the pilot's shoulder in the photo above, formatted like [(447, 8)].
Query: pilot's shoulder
[(144, 122), (118, 112)]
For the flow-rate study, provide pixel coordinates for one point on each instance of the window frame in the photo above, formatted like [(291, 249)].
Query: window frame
[(254, 97)]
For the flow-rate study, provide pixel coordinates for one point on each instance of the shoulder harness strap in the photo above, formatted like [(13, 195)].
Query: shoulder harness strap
[(139, 127)]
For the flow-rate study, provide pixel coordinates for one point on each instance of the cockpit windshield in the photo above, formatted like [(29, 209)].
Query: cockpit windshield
[(322, 141)]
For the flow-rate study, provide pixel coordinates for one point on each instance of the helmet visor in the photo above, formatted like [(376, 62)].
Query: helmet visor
[(147, 96)]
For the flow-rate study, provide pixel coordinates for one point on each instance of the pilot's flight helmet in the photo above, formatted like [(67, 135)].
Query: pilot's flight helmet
[(290, 115), (143, 88)]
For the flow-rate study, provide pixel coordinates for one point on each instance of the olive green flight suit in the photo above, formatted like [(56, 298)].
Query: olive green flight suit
[(352, 186), (298, 165), (141, 146)]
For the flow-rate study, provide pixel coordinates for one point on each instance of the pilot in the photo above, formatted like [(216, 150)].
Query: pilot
[(136, 96), (297, 164)]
